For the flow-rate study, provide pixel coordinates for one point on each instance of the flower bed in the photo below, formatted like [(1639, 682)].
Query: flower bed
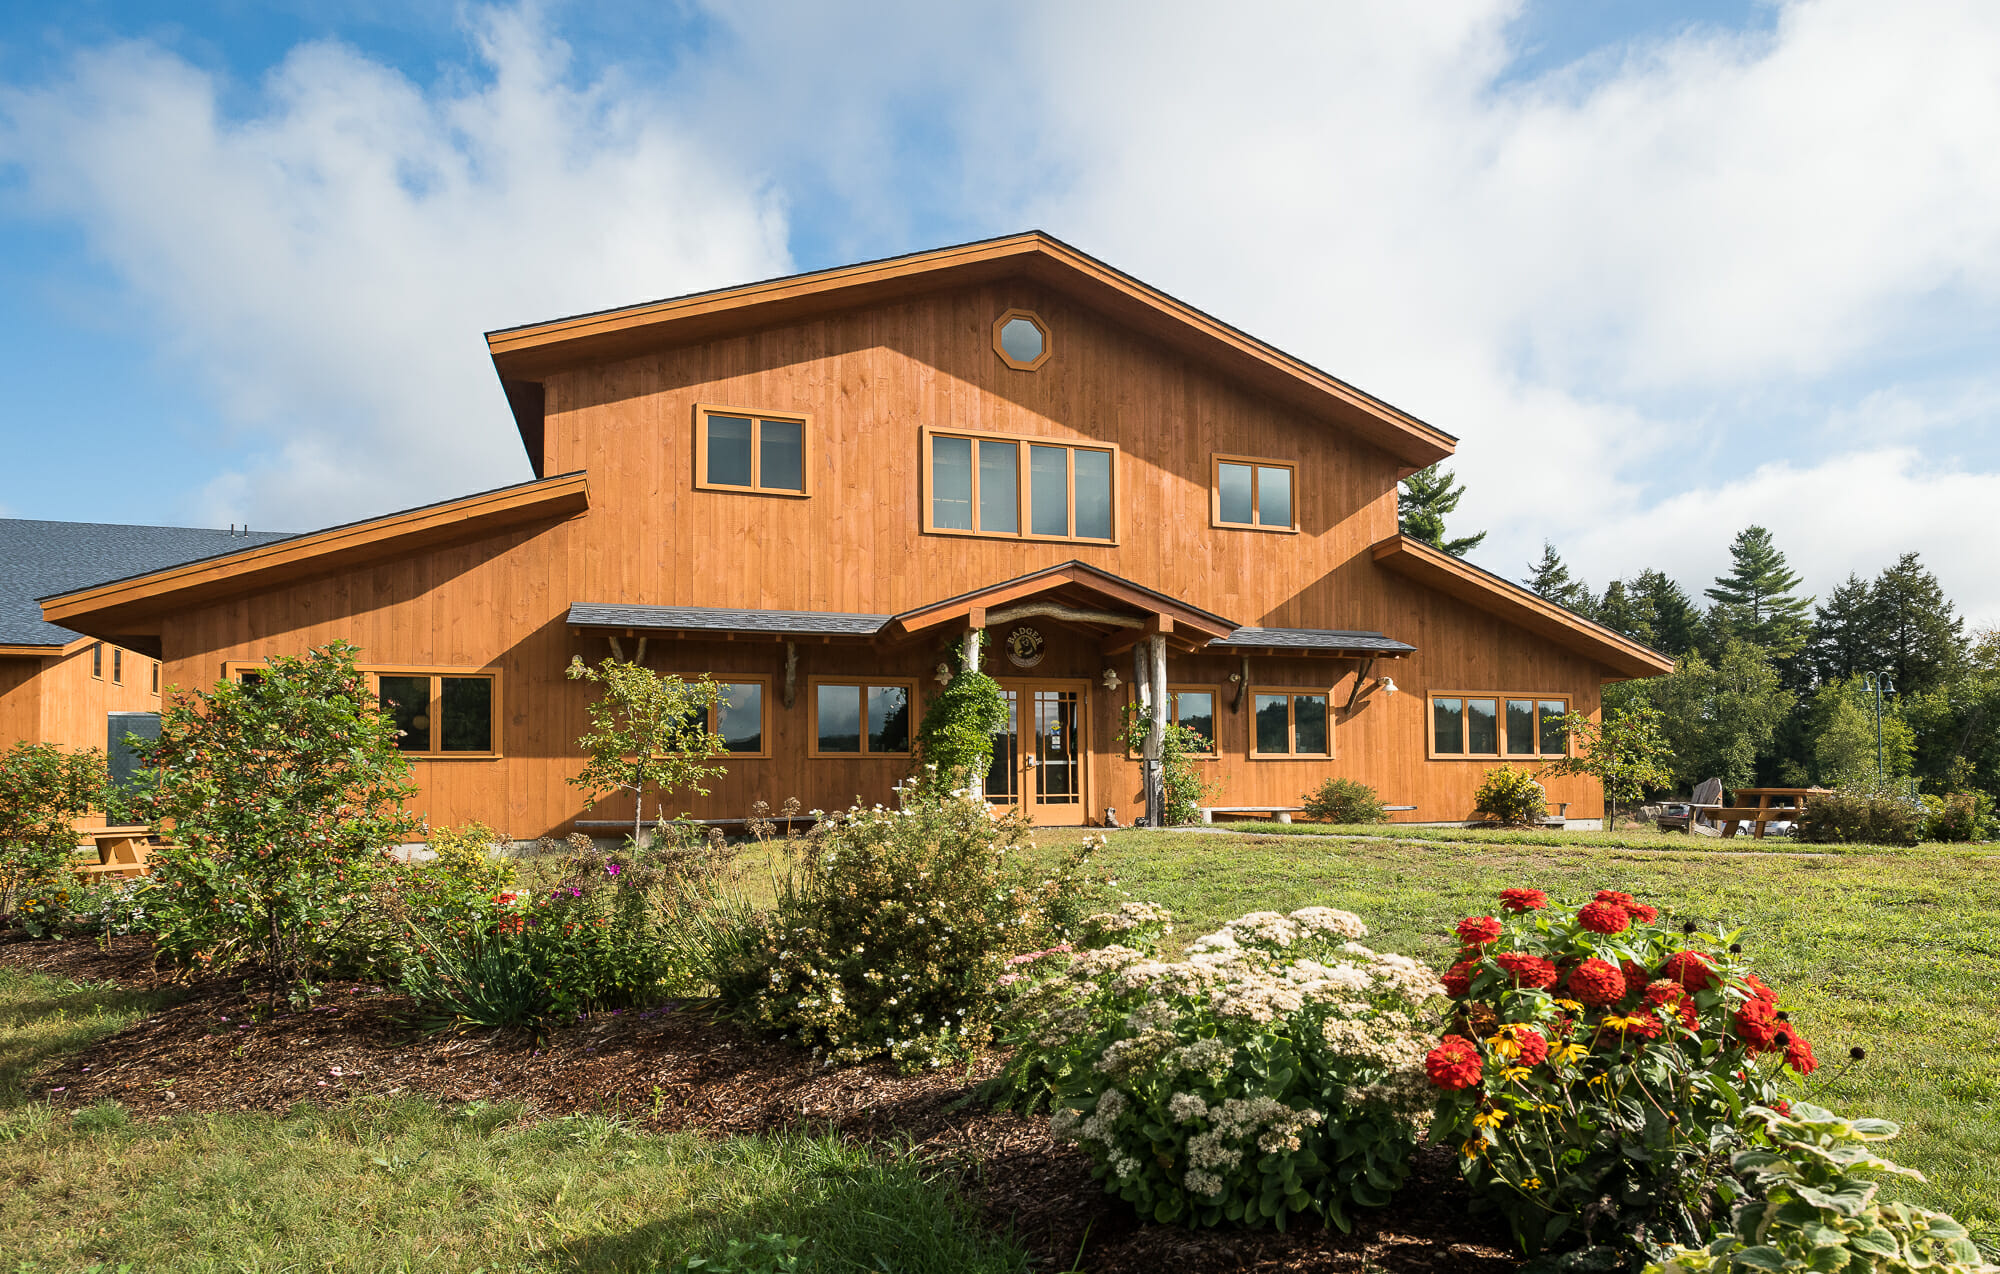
[(1246, 1083)]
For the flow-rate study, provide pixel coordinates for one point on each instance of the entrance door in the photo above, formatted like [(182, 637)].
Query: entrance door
[(1038, 756)]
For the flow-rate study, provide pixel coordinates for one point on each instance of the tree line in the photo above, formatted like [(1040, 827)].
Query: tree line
[(1775, 687)]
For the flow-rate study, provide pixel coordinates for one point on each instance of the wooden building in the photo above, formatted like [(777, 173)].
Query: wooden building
[(813, 488)]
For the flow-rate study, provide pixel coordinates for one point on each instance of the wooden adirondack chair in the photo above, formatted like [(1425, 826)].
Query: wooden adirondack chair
[(1694, 821)]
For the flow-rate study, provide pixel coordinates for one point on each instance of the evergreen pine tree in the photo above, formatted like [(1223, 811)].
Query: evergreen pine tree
[(1919, 637), (1427, 495), (1842, 644), (1755, 599), (1676, 622), (1551, 579), (1628, 611)]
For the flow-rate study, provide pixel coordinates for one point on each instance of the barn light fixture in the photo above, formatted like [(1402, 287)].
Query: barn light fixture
[(1388, 685)]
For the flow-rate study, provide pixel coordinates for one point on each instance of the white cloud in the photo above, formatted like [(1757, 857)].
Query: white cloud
[(328, 264)]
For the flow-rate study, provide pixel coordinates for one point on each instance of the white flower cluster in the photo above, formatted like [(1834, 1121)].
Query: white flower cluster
[(1130, 916)]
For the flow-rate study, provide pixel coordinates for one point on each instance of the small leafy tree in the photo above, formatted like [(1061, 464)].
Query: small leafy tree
[(282, 797), (1627, 752), (956, 735), (647, 732), (1185, 788), (43, 791)]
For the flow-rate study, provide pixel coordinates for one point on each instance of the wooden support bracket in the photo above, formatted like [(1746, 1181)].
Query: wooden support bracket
[(1360, 678)]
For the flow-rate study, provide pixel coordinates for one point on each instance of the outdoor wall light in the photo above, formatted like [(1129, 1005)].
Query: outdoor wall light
[(1388, 685)]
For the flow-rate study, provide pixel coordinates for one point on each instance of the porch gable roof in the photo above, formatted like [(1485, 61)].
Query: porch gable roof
[(1076, 592)]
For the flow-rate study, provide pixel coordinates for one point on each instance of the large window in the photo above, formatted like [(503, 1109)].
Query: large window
[(861, 718), (1254, 494), (739, 717), (1024, 488), (750, 451), (444, 713), (1193, 707), (1488, 724), (1288, 723)]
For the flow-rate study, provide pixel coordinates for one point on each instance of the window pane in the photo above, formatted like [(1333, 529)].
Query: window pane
[(740, 720), (1521, 726), (1273, 729), (1021, 339), (1482, 726), (1232, 485), (999, 486), (1309, 724), (1274, 496), (407, 700), (1448, 725), (1048, 490), (729, 451), (951, 483), (1093, 495), (840, 718), (1195, 709), (468, 714), (1555, 739), (781, 455), (888, 719)]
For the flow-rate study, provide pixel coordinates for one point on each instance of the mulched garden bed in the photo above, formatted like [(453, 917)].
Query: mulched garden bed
[(677, 1068)]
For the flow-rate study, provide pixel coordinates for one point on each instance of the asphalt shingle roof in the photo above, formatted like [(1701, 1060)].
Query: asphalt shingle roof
[(39, 559), (802, 623), (1315, 639)]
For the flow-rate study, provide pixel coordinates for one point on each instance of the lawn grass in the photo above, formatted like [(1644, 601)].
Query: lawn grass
[(404, 1185), (1623, 838), (1897, 952)]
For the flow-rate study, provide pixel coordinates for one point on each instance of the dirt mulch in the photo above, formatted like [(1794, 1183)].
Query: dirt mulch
[(676, 1068)]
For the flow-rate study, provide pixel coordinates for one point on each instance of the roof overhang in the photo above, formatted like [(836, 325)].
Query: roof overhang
[(526, 356), (128, 610), (1346, 643), (1119, 611), (37, 650), (727, 623), (1521, 607)]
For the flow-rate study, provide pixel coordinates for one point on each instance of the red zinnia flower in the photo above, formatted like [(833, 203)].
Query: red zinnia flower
[(1604, 917), (1665, 994), (1636, 977), (1757, 1026), (1458, 979), (1643, 914), (1643, 1023), (1595, 982), (1691, 969), (1755, 985), (1534, 1049), (1476, 930), (1527, 970), (1799, 1053), (1783, 1107), (1520, 900), (1612, 896), (1454, 1063)]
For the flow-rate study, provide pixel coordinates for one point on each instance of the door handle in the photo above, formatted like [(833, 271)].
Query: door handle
[(1032, 763)]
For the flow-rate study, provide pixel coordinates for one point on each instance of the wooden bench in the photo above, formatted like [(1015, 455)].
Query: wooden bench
[(1283, 813), (121, 851)]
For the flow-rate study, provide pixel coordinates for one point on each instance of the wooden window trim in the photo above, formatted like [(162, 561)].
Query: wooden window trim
[(1174, 716), (764, 706), (117, 665), (233, 669), (1023, 486), (1215, 463), (156, 676), (97, 661), (1500, 698), (908, 686), (1041, 325), (1291, 722), (702, 411)]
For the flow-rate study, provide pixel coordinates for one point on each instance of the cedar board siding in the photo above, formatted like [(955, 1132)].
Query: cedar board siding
[(871, 380)]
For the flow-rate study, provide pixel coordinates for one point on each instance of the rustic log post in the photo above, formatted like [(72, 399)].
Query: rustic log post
[(976, 782), (1156, 733)]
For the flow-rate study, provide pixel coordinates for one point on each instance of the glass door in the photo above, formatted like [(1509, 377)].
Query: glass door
[(1038, 755)]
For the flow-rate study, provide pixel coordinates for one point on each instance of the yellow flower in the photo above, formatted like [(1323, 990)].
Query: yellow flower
[(1505, 1045), (1531, 1183), (1567, 1054), (1489, 1119), (1569, 1005), (1475, 1148), (1515, 1073)]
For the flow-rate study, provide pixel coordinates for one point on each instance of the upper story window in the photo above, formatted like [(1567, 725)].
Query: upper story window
[(1020, 488), (117, 665), (763, 453), (1254, 493), (1489, 724), (1021, 339), (97, 660)]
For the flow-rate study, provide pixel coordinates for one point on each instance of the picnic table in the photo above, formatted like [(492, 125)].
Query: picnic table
[(1774, 805), (121, 851)]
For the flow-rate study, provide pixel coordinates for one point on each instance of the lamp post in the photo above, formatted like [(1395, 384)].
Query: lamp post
[(1881, 684)]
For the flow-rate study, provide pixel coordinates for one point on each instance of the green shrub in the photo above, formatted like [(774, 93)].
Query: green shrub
[(1247, 1083), (1512, 797), (955, 738), (1344, 801), (1595, 1070), (1814, 1206), (1863, 816), (1954, 817), (43, 791), (1184, 786), (892, 927)]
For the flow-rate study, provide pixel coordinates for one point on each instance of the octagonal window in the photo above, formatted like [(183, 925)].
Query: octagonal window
[(1021, 340)]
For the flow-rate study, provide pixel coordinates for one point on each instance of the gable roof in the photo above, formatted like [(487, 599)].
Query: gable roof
[(38, 558), (1073, 587), (127, 606), (1522, 607), (524, 355)]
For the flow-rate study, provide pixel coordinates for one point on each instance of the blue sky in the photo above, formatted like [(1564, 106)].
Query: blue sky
[(1666, 270)]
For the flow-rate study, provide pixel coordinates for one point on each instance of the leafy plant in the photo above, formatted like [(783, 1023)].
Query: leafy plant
[(1243, 1085), (765, 1254), (1814, 1206), (892, 927), (1344, 801), (1181, 779), (955, 738), (1952, 817), (1511, 796), (647, 731), (282, 796), (1866, 815), (1627, 753), (43, 791), (1596, 1068)]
